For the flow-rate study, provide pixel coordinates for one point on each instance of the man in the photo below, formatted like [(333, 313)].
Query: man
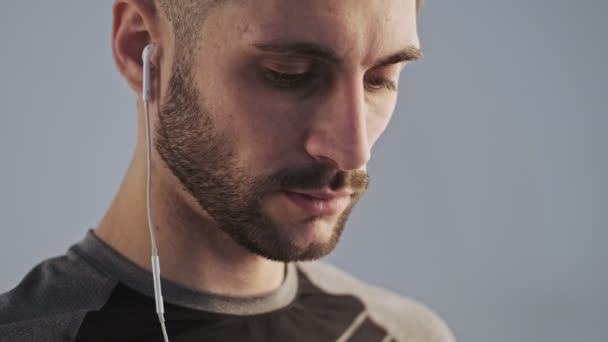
[(263, 114)]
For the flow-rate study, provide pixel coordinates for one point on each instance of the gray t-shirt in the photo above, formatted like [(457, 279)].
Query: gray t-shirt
[(93, 293)]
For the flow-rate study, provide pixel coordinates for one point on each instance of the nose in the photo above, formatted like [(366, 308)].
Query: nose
[(339, 132)]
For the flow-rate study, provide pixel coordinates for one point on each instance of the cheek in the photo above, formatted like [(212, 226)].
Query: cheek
[(265, 128), (380, 114)]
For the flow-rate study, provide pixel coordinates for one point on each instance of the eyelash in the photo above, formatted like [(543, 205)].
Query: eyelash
[(286, 81), (382, 83), (291, 81)]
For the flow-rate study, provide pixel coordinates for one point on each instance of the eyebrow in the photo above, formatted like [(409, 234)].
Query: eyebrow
[(409, 53)]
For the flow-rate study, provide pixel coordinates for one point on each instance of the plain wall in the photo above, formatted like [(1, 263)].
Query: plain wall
[(488, 198)]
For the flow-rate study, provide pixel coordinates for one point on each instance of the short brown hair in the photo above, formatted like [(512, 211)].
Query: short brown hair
[(186, 16)]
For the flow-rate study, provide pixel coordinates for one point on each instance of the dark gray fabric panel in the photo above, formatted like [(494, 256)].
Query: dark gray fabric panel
[(51, 301), (59, 327)]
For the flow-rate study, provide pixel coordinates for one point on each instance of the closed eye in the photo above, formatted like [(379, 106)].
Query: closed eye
[(379, 83), (287, 80)]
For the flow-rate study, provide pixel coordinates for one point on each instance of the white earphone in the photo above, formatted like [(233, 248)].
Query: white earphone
[(146, 56)]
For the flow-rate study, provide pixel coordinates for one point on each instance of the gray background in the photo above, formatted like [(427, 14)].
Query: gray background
[(488, 200)]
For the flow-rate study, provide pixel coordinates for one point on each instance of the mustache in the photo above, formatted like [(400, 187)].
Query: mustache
[(317, 176)]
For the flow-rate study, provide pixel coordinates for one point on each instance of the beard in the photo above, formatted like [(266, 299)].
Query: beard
[(204, 161)]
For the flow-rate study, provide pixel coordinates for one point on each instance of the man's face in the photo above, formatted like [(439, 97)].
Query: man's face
[(270, 126)]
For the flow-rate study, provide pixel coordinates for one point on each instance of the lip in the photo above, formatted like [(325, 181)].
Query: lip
[(323, 194), (319, 203)]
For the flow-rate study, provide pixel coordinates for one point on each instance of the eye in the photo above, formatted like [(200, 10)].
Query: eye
[(379, 83), (287, 80)]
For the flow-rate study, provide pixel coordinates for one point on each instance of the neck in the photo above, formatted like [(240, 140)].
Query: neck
[(194, 252)]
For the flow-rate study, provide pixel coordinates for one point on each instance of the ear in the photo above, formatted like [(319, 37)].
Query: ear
[(134, 26)]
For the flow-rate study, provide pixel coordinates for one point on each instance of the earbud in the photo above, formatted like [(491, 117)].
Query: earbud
[(146, 56)]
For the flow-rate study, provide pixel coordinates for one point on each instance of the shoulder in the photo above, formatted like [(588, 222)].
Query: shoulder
[(52, 299), (404, 318)]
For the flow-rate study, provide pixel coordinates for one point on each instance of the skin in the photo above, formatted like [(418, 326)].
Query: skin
[(232, 136)]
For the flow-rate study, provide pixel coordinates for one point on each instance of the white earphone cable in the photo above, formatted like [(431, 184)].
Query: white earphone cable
[(160, 310)]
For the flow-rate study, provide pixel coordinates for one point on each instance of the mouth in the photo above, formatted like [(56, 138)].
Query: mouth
[(319, 203)]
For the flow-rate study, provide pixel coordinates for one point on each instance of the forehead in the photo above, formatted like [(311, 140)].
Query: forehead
[(362, 29)]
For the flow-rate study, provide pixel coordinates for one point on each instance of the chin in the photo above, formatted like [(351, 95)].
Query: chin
[(308, 240), (313, 231)]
